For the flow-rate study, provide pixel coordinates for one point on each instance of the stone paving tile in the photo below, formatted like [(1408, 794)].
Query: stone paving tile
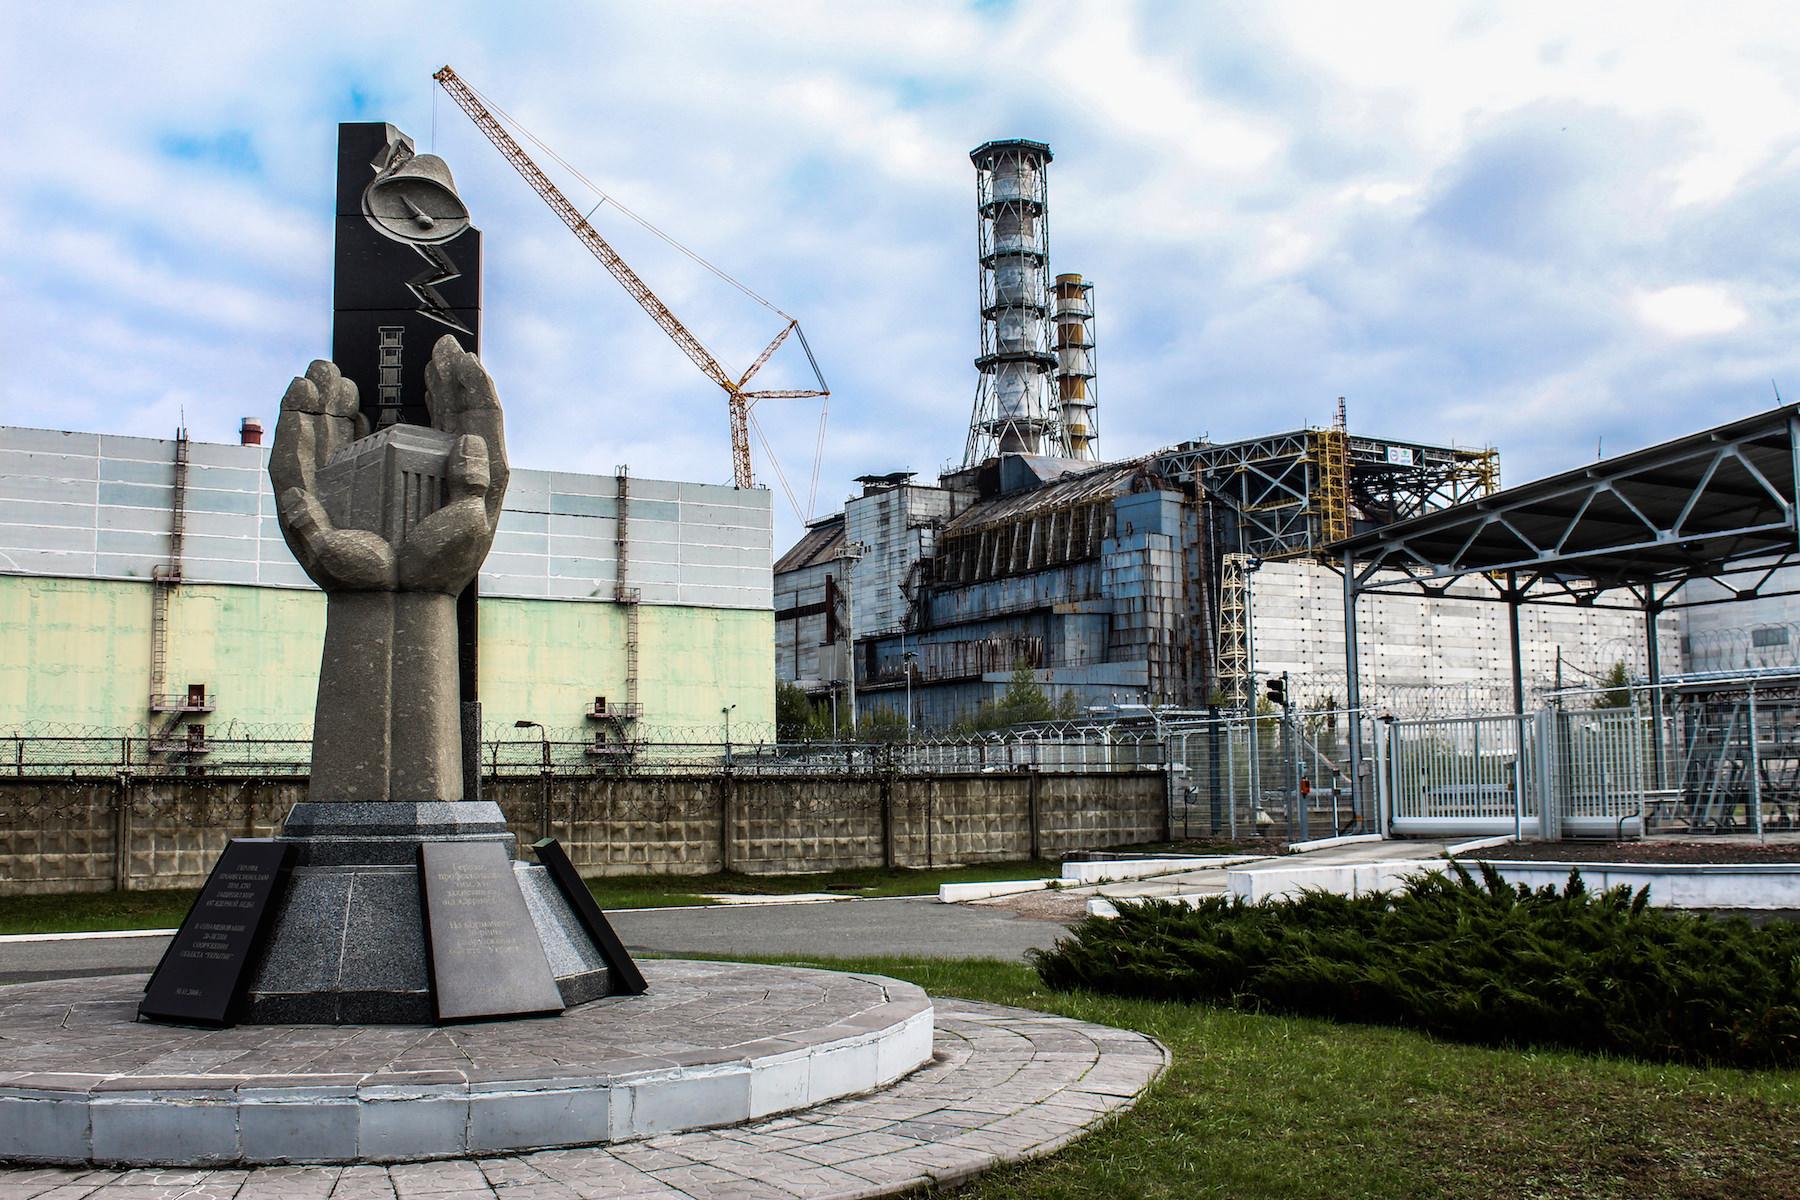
[(1006, 1084), (713, 1005)]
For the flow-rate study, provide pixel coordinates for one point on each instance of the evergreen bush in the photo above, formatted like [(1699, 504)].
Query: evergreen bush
[(1476, 961)]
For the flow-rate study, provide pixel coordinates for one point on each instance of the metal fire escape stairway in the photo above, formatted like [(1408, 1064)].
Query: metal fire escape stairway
[(169, 709), (629, 598)]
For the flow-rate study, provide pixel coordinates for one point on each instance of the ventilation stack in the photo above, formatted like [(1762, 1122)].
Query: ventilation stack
[(1072, 310), (1014, 412)]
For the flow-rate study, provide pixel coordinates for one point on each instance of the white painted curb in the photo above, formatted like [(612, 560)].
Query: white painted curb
[(1117, 870), (962, 893), (1348, 839), (87, 936), (1487, 843)]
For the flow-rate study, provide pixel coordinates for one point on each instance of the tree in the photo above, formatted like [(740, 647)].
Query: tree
[(793, 712), (1023, 703), (1617, 682)]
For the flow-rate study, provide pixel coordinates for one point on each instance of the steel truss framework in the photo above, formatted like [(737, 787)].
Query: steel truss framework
[(1279, 489), (1633, 532), (1717, 505)]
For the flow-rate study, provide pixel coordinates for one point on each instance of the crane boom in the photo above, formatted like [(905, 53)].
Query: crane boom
[(737, 398)]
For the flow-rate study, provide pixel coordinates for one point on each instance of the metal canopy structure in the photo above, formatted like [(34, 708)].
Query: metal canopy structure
[(1711, 505), (1635, 531)]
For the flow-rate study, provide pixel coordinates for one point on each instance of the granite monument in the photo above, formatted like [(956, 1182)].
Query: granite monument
[(393, 525)]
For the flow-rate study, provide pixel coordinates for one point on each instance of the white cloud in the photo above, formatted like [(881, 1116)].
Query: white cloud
[(1691, 310), (1468, 219)]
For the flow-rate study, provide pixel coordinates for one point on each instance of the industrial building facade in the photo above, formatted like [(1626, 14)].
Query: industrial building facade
[(1131, 583), (144, 584), (1172, 578)]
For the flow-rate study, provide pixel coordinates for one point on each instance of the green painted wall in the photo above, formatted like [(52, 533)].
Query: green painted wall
[(77, 652), (546, 660)]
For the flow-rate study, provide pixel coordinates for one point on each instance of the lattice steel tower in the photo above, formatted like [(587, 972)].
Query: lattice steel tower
[(1077, 402), (1014, 410)]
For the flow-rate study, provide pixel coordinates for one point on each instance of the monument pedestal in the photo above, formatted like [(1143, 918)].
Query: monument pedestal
[(347, 942)]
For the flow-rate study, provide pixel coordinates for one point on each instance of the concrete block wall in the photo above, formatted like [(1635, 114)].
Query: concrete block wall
[(962, 819), (80, 836), (650, 825), (94, 836), (827, 824)]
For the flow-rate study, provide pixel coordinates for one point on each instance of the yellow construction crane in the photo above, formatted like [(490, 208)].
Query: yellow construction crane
[(737, 399)]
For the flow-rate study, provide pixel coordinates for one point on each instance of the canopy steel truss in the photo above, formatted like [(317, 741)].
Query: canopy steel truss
[(1716, 505), (1634, 532), (1284, 495)]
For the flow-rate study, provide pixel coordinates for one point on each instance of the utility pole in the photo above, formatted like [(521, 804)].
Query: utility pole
[(908, 659)]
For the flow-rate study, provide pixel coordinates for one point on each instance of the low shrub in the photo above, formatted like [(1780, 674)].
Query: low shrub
[(1476, 961)]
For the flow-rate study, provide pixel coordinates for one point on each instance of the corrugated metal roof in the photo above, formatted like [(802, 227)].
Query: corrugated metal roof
[(822, 542), (1112, 479)]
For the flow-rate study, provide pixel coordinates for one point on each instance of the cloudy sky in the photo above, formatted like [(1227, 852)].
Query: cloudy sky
[(1553, 230)]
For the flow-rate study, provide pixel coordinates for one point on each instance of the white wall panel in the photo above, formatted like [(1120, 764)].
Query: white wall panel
[(688, 543)]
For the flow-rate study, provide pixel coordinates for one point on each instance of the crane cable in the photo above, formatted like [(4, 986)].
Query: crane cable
[(781, 475), (608, 198)]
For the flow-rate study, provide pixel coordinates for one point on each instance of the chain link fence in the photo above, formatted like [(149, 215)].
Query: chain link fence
[(246, 752)]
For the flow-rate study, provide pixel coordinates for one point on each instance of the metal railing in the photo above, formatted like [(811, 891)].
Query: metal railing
[(1272, 776), (1462, 776)]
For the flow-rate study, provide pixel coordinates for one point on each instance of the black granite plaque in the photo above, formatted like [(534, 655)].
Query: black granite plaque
[(627, 979), (486, 959), (204, 972)]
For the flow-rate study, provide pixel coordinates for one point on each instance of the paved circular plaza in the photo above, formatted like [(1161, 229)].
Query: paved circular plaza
[(1004, 1084), (83, 1082)]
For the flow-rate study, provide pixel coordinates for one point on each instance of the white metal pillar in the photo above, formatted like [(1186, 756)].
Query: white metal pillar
[(1353, 685), (1518, 684)]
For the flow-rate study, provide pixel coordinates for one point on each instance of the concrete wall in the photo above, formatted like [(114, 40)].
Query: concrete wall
[(896, 526), (1743, 634), (79, 836), (802, 655), (76, 652)]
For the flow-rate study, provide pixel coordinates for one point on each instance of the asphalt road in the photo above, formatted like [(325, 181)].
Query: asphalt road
[(914, 927)]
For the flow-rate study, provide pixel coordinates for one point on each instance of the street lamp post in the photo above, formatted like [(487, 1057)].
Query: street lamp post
[(909, 657), (727, 711)]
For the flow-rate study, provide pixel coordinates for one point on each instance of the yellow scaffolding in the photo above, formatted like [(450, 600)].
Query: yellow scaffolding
[(1331, 454)]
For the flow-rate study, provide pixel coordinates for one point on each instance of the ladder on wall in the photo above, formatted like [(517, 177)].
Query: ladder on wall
[(167, 710), (625, 594)]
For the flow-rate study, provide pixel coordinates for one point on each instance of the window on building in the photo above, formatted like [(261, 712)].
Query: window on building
[(1769, 635)]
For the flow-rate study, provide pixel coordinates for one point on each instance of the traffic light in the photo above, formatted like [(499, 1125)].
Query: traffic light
[(1278, 690)]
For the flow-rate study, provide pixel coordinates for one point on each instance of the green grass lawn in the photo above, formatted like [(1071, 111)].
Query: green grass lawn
[(1263, 1106), (164, 909)]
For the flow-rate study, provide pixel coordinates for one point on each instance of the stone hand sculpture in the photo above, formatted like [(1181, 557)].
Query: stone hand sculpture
[(391, 526)]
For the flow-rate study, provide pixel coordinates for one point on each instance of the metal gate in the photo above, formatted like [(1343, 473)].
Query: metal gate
[(1551, 774)]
